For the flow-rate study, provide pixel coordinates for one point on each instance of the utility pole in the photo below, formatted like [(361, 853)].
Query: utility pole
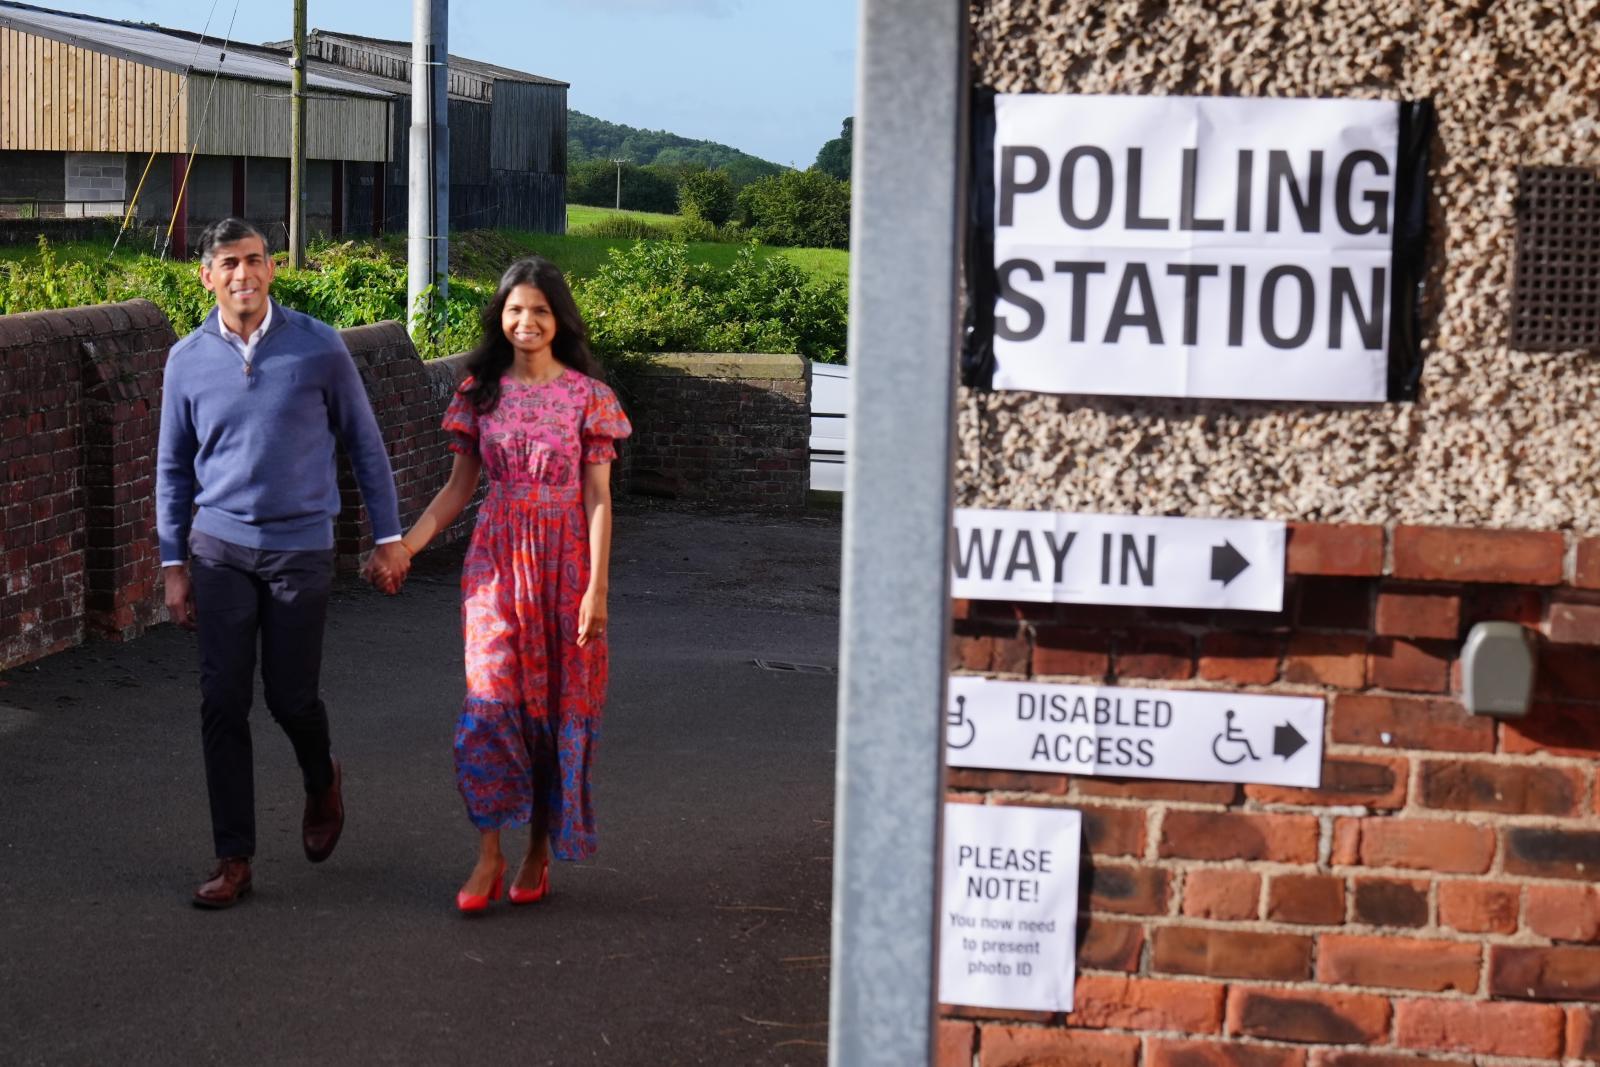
[(297, 141), (427, 246), (619, 163)]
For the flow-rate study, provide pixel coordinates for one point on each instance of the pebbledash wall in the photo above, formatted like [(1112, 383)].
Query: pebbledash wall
[(1437, 901), (80, 402)]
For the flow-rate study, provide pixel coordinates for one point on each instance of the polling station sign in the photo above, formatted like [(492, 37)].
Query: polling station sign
[(1009, 909), (1187, 735), (1218, 247)]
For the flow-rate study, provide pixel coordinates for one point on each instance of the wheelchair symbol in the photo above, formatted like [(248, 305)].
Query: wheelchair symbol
[(1234, 737), (954, 720)]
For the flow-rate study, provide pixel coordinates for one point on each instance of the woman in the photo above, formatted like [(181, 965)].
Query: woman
[(532, 415)]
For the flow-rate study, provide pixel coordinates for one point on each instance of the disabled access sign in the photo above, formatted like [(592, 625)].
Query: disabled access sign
[(1190, 735)]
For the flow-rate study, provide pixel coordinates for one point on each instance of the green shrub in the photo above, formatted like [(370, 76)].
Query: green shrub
[(691, 229), (344, 285), (801, 209), (624, 227), (651, 298), (707, 195), (648, 297)]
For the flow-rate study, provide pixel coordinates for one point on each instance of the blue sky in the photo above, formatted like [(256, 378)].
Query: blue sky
[(771, 77)]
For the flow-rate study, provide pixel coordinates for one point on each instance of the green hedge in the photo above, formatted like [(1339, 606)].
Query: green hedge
[(648, 297)]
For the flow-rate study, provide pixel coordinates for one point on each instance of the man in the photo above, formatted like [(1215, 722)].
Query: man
[(246, 496)]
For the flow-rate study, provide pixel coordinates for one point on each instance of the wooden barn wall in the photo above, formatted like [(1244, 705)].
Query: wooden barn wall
[(397, 173), (530, 128), (355, 57), (469, 143), (483, 193), (527, 201), (252, 119), (57, 97)]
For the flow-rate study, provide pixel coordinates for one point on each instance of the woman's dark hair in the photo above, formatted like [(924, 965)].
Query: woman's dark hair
[(493, 356)]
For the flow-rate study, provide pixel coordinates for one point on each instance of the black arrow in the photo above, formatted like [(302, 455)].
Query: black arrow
[(1226, 563), (1286, 741)]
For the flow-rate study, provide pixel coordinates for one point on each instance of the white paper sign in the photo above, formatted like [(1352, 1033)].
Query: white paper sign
[(1190, 735), (1009, 908), (1077, 558), (1194, 246)]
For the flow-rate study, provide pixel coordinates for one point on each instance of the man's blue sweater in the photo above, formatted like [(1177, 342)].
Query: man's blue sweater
[(256, 451)]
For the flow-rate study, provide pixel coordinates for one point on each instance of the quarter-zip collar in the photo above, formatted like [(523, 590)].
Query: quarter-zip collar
[(246, 348)]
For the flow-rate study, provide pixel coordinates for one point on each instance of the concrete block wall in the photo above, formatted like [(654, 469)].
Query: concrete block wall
[(1436, 901), (724, 429)]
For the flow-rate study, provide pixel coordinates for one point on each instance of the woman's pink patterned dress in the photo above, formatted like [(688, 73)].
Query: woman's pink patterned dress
[(532, 713)]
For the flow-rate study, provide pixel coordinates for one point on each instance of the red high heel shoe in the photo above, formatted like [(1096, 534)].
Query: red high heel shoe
[(473, 903), (537, 893)]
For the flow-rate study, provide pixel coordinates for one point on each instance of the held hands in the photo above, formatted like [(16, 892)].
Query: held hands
[(591, 616), (388, 567)]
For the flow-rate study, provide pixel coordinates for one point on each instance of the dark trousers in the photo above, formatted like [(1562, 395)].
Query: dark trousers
[(282, 597)]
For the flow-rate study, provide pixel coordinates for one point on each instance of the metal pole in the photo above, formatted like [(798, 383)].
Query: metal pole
[(906, 239), (428, 217), (297, 141), (619, 163)]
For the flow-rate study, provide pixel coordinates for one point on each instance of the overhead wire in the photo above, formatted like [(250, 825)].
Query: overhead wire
[(194, 146), (183, 81)]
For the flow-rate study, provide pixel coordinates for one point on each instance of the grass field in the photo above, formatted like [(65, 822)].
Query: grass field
[(587, 253), (583, 215)]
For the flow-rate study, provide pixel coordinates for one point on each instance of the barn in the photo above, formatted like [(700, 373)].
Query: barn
[(508, 133), (97, 114)]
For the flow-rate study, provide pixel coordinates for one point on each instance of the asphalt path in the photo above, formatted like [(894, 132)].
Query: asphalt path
[(697, 935)]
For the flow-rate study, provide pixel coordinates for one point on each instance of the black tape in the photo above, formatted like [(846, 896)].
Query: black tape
[(1410, 264), (977, 334)]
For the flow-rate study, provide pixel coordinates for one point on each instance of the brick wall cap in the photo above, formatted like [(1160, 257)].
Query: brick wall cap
[(26, 328), (374, 335), (738, 365)]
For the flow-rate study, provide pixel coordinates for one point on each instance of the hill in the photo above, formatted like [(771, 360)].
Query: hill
[(589, 138)]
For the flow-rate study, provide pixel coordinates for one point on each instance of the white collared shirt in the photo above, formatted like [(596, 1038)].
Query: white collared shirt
[(246, 347)]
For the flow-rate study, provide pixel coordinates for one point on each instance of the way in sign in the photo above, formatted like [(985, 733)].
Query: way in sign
[(1118, 559), (1195, 735)]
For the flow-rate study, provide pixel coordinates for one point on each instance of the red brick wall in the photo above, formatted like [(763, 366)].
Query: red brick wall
[(721, 429), (409, 397), (1436, 901), (80, 407), (79, 412)]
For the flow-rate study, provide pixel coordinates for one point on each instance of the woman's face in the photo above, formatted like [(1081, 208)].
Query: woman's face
[(527, 320)]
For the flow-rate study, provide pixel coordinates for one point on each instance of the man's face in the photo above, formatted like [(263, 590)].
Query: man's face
[(241, 275)]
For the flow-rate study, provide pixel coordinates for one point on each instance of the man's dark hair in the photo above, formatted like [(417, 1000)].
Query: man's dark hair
[(226, 232)]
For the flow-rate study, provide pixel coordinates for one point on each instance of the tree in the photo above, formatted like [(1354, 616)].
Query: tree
[(803, 209), (834, 157), (643, 188), (591, 138), (708, 195)]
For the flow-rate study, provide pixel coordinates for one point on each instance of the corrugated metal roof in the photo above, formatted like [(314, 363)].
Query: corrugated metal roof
[(457, 63), (156, 47)]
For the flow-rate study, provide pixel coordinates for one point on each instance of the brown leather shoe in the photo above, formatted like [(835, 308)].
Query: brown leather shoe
[(229, 882), (324, 819)]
